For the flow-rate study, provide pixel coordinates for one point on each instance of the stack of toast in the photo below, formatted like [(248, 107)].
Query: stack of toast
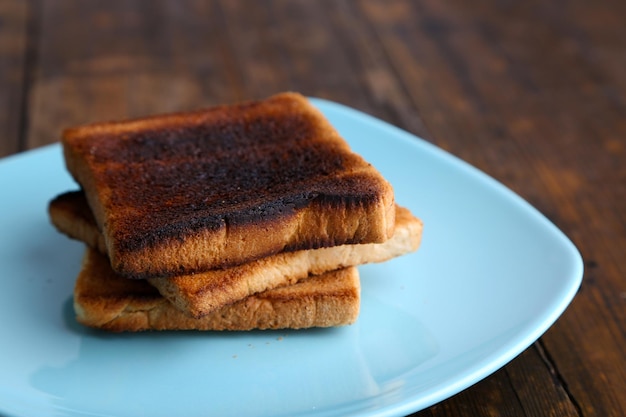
[(237, 217)]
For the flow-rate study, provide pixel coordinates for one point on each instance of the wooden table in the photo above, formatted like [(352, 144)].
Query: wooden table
[(531, 92)]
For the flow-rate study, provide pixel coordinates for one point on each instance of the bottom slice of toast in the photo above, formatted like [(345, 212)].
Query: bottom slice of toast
[(105, 300)]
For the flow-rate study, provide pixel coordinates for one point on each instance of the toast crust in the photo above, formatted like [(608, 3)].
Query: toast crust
[(199, 294), (189, 192), (105, 300)]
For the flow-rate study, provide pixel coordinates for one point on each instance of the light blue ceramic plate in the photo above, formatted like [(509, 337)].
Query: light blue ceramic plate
[(491, 276)]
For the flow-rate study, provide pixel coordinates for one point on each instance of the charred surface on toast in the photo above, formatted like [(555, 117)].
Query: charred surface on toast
[(235, 171), (205, 139), (176, 217)]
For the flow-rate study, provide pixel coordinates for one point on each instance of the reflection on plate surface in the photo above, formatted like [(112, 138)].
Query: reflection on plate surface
[(491, 276)]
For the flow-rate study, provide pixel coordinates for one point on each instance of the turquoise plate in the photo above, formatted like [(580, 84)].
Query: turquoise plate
[(491, 276)]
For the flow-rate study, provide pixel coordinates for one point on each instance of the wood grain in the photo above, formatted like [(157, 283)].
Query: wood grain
[(533, 93), (125, 59), (15, 51)]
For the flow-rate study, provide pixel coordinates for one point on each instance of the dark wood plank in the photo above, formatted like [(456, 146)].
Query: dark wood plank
[(254, 43), (315, 62), (314, 54), (370, 66), (522, 388), (527, 92), (15, 23), (535, 389), (126, 59), (320, 49)]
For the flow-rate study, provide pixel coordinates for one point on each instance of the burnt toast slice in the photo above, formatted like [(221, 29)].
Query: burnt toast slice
[(188, 192), (105, 300), (201, 293)]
